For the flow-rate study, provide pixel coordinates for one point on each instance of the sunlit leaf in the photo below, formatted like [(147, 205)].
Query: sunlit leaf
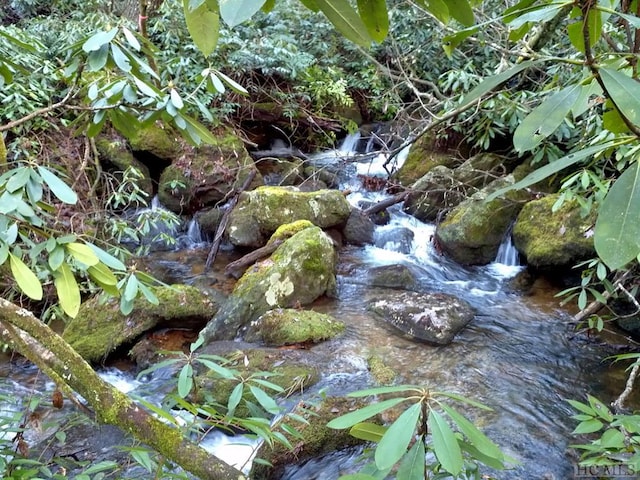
[(68, 290), (588, 426), (348, 420), (185, 380), (106, 258), (235, 86), (396, 439), (461, 11), (541, 13), (25, 278), (101, 273), (98, 40), (375, 17), (445, 444), (371, 432), (234, 12), (131, 39), (234, 398), (57, 186), (475, 436), (264, 399), (346, 20), (543, 120), (176, 100), (82, 253), (624, 91), (617, 230), (121, 60)]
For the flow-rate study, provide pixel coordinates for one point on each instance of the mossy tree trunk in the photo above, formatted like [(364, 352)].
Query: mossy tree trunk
[(41, 345)]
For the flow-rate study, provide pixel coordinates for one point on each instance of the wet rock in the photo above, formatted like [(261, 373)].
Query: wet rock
[(100, 328), (557, 239), (116, 156), (435, 193), (287, 326), (473, 231), (298, 272), (433, 318), (260, 212), (320, 174), (378, 218), (277, 171), (423, 156), (392, 276), (209, 220), (203, 176), (481, 169), (359, 229), (398, 239), (158, 140)]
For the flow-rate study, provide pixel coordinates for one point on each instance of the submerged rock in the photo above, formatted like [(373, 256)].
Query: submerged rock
[(430, 317), (291, 326), (550, 239), (260, 212), (392, 276), (298, 272), (100, 328)]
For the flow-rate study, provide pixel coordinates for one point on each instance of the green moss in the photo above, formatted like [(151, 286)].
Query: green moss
[(380, 371), (553, 239), (289, 326), (158, 140), (100, 328), (423, 156), (288, 230)]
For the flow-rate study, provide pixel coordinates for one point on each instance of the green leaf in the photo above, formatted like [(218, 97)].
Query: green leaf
[(234, 12), (375, 17), (413, 464), (461, 11), (203, 24), (551, 168), (463, 399), (218, 369), (56, 257), (131, 288), (617, 230), (490, 83), (68, 290), (624, 91), (98, 40), (475, 436), (437, 8), (25, 278), (348, 420), (176, 100), (264, 399), (612, 438), (588, 426), (371, 432), (185, 380), (545, 118), (19, 179), (451, 42), (445, 444), (205, 135), (122, 61), (235, 86), (346, 20), (82, 253), (101, 274), (575, 29), (310, 4), (395, 441), (381, 390), (58, 187), (98, 59), (126, 306), (148, 294), (541, 13), (234, 399), (106, 258), (131, 39)]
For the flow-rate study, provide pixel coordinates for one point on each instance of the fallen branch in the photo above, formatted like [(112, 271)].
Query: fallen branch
[(384, 204), (224, 222), (238, 266), (51, 353)]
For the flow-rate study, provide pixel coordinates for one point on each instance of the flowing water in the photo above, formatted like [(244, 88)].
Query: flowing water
[(519, 355)]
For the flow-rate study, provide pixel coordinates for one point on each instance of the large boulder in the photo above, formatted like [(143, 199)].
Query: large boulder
[(203, 176), (116, 156), (100, 328), (260, 212), (433, 318), (436, 192), (156, 140), (298, 272), (423, 156), (289, 326), (472, 232), (549, 239)]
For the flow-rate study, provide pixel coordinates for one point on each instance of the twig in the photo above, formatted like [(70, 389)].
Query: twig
[(618, 404), (251, 258)]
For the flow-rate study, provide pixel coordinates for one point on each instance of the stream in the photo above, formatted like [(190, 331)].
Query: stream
[(520, 354)]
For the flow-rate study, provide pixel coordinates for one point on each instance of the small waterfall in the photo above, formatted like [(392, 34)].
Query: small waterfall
[(194, 234), (507, 253), (350, 143)]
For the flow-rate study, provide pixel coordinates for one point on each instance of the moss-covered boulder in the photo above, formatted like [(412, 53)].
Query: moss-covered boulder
[(550, 239), (203, 176), (382, 373), (423, 156), (100, 328), (116, 156), (472, 232), (435, 193), (298, 272), (260, 212), (392, 276), (316, 438), (157, 139), (288, 326), (280, 171), (481, 169)]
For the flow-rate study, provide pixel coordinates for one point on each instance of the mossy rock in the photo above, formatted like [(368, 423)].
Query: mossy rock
[(209, 220), (280, 171), (436, 192), (288, 230), (317, 439), (203, 176), (557, 239), (115, 152), (158, 140), (100, 328), (298, 272), (472, 232), (290, 371), (260, 212), (481, 169), (382, 373), (423, 156), (287, 326)]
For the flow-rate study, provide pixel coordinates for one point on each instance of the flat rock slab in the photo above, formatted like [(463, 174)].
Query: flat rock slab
[(429, 317)]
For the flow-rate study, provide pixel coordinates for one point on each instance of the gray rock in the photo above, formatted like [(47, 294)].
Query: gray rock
[(359, 229)]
